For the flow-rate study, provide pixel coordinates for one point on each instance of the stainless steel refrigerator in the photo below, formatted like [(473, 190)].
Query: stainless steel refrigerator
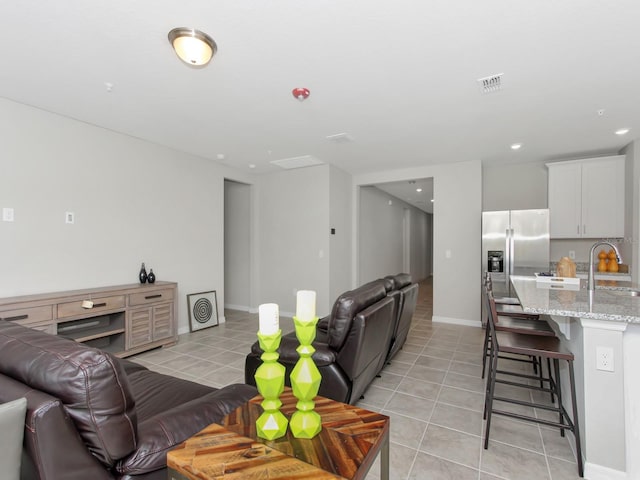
[(514, 242)]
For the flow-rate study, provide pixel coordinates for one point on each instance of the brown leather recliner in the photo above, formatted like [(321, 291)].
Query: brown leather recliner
[(93, 416), (408, 298), (351, 343)]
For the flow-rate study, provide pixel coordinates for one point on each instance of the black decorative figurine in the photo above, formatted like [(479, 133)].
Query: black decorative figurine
[(143, 274), (151, 278)]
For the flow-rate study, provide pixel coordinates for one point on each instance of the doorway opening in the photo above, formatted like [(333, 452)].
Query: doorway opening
[(237, 247)]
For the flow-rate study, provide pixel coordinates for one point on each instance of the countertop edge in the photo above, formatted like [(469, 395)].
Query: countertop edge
[(576, 304)]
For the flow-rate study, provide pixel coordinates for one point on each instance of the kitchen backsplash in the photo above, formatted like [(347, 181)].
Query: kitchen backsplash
[(583, 267)]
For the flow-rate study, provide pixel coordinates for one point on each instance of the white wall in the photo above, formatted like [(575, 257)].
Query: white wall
[(237, 237), (339, 244), (293, 221), (381, 241), (380, 233), (518, 186), (134, 201), (456, 229)]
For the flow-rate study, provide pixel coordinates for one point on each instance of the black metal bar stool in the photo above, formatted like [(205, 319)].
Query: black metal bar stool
[(539, 346), (508, 305), (533, 325), (500, 300)]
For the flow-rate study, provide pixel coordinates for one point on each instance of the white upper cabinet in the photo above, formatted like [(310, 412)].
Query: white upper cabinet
[(586, 198)]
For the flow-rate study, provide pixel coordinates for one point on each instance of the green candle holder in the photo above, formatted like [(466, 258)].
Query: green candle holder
[(305, 382), (271, 424)]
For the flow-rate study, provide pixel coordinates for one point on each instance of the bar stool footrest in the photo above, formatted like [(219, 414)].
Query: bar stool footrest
[(564, 426)]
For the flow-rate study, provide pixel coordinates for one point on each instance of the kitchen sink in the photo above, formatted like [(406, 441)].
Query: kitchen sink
[(626, 293)]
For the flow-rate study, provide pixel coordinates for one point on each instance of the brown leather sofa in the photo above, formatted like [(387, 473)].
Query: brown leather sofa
[(352, 343), (93, 416)]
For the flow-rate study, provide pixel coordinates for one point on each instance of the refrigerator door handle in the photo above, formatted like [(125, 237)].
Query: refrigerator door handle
[(507, 258), (512, 247)]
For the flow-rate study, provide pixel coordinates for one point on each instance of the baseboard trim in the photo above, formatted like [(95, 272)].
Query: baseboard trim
[(240, 308), (185, 329), (593, 471), (456, 321)]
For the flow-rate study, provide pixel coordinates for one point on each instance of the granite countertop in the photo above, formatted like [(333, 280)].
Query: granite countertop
[(608, 302)]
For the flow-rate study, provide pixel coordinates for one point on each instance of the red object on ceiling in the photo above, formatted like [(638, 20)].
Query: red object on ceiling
[(300, 93)]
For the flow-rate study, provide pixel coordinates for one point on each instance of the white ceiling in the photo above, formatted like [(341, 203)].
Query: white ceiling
[(399, 77)]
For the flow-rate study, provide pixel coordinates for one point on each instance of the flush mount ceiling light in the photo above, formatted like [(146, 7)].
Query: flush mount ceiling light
[(622, 131), (192, 46)]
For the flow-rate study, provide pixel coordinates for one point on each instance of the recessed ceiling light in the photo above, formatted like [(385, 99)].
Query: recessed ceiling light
[(252, 165), (418, 190), (516, 146), (340, 138), (432, 200), (622, 131)]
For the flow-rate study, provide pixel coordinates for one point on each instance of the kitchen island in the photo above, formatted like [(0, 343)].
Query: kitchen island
[(602, 329)]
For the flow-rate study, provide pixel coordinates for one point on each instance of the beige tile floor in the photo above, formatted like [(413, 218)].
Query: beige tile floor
[(432, 391)]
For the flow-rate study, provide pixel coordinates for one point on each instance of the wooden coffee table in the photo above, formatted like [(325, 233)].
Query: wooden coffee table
[(347, 446)]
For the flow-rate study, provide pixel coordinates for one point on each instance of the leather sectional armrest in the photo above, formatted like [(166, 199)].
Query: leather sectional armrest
[(164, 431)]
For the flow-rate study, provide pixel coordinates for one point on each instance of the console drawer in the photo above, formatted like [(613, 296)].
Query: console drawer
[(72, 309), (155, 296), (26, 316)]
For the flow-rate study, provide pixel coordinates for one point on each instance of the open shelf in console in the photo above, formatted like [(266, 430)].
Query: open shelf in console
[(106, 332)]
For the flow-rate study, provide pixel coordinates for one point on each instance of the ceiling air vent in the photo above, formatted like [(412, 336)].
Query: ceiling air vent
[(491, 84), (297, 162)]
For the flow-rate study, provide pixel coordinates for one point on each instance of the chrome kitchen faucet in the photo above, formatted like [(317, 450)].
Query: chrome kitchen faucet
[(591, 283)]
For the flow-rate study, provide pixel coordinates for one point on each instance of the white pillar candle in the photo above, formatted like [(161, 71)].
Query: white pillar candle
[(306, 305), (269, 318)]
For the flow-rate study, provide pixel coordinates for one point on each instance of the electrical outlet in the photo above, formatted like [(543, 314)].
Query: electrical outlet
[(604, 359), (572, 254)]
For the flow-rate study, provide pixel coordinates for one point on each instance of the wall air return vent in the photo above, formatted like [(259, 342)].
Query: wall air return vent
[(297, 162), (491, 84)]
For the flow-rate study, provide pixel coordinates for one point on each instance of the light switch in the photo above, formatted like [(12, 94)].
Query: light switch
[(69, 217), (7, 214)]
